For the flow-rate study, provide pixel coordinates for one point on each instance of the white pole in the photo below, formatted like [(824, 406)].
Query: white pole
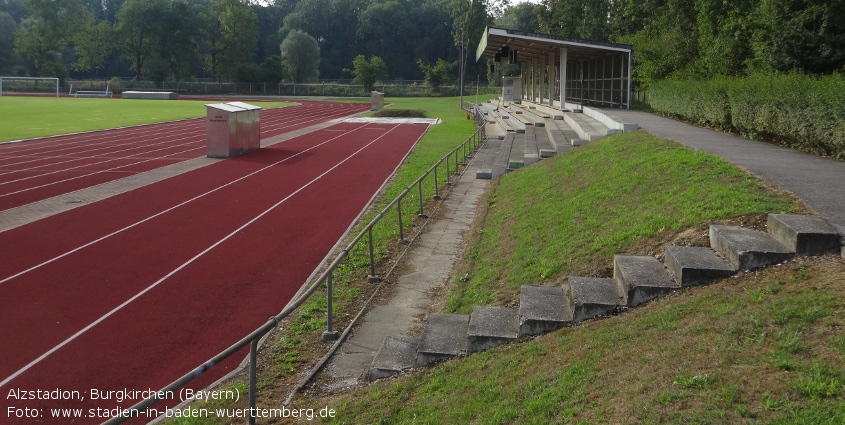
[(563, 64)]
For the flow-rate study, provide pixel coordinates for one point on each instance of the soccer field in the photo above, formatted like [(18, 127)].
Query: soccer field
[(28, 117)]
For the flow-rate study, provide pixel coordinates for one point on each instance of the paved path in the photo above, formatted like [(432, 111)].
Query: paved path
[(818, 181), (428, 263)]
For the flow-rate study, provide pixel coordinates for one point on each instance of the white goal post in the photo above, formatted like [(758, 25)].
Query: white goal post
[(29, 85)]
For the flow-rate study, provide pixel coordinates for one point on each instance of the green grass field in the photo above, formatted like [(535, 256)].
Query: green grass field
[(30, 117)]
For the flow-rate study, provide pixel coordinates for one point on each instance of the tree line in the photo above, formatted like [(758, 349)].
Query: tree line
[(305, 40), (228, 40), (701, 39)]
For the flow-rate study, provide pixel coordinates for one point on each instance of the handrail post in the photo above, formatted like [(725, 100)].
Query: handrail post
[(373, 277), (253, 359), (401, 228), (329, 334), (436, 184), (456, 162), (448, 180), (422, 213)]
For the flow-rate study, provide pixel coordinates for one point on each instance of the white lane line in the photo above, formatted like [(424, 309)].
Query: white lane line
[(185, 264), (96, 172), (58, 257)]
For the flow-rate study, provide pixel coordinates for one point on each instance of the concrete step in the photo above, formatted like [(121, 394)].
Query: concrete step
[(562, 136), (494, 131), (694, 265), (543, 309), (609, 117), (487, 154), (444, 337), (545, 149), (804, 234), (500, 162), (642, 277), (516, 156), (544, 110), (396, 355), (747, 249), (588, 129), (495, 154), (491, 326), (594, 296), (531, 153)]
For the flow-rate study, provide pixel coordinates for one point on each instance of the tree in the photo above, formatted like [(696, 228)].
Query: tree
[(50, 27), (469, 17), (137, 27), (93, 44), (521, 17), (7, 42), (368, 72), (300, 56), (156, 36), (438, 74), (239, 33), (805, 35)]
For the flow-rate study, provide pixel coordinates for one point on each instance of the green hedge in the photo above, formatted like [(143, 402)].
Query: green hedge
[(795, 110)]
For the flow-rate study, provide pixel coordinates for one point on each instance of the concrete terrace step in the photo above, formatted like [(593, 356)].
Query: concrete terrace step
[(747, 249), (492, 153), (587, 128), (696, 265), (562, 136), (444, 337), (491, 326), (531, 154), (396, 355), (526, 115), (545, 110), (516, 156), (642, 277), (543, 309), (806, 235), (499, 117), (545, 148), (594, 296), (637, 279)]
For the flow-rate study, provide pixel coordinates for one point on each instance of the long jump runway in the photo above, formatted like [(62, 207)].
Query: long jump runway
[(39, 169), (129, 293)]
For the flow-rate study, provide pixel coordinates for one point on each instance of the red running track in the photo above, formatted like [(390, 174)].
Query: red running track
[(131, 292), (38, 169)]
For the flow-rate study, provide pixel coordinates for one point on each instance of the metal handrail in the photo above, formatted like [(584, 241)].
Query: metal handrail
[(469, 145)]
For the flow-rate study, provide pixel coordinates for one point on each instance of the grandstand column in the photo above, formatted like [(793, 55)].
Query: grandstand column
[(542, 78), (533, 78), (563, 58), (552, 77)]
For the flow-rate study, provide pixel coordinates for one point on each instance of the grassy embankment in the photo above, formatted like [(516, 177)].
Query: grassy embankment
[(763, 347), (30, 117)]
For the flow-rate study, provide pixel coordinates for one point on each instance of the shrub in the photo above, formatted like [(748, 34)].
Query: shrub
[(795, 110)]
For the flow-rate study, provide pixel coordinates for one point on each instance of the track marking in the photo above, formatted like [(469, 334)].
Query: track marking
[(187, 263), (58, 257), (108, 170)]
